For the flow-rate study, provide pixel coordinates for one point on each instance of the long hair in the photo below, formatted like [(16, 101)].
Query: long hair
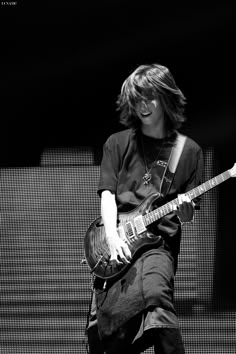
[(148, 82)]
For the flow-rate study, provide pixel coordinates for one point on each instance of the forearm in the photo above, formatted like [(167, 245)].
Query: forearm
[(119, 251), (109, 212)]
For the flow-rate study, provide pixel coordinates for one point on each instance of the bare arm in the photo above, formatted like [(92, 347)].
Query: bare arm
[(118, 249)]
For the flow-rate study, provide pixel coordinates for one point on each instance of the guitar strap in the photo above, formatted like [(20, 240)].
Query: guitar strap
[(172, 164)]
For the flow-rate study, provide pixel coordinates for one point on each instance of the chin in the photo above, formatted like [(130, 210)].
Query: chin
[(147, 121)]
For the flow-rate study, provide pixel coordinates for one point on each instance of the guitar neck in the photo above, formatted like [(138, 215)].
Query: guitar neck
[(192, 194)]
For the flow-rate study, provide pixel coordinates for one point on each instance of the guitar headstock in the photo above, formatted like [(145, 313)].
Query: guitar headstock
[(232, 171)]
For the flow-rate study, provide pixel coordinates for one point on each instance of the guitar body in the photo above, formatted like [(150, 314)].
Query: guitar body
[(96, 250), (135, 229)]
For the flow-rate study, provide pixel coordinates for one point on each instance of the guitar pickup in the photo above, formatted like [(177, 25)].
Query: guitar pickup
[(139, 224)]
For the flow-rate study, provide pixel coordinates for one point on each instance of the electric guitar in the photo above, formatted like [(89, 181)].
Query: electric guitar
[(134, 229)]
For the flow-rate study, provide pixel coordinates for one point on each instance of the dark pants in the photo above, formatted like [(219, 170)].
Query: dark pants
[(164, 340), (151, 275)]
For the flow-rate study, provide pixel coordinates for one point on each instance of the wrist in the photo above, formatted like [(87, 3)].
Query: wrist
[(188, 222)]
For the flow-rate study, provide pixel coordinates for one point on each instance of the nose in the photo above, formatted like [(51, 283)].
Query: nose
[(143, 107)]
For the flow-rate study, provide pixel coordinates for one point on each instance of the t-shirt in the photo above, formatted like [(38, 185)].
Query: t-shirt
[(128, 154)]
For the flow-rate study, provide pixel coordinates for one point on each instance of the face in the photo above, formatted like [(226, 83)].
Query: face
[(150, 112)]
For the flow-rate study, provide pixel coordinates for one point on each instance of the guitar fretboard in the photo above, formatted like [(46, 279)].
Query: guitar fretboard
[(192, 194)]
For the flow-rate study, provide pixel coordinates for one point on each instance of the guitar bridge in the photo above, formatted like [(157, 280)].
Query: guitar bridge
[(139, 224)]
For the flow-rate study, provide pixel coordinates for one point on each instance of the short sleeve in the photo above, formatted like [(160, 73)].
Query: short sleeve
[(109, 166)]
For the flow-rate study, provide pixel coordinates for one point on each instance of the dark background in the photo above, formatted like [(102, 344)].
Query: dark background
[(63, 63)]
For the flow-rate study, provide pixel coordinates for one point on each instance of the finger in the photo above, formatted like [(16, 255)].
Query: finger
[(183, 198), (187, 199), (175, 207), (180, 199), (123, 258), (126, 251), (114, 258), (120, 253), (114, 262)]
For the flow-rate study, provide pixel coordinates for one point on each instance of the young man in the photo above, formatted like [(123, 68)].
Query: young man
[(135, 310)]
